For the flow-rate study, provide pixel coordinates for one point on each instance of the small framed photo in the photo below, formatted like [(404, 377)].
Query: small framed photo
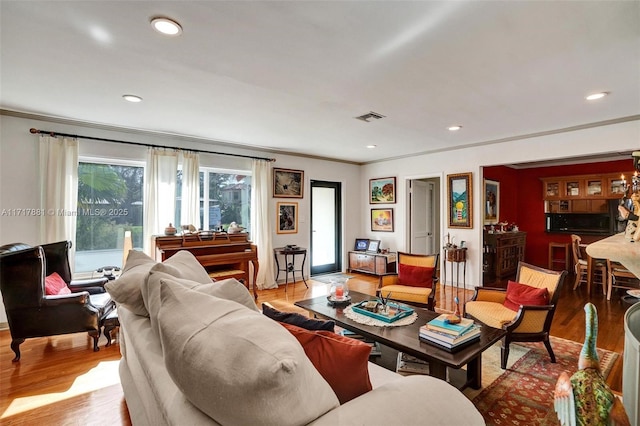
[(287, 217), (288, 183), (491, 202), (382, 220), (361, 244), (382, 190), (374, 246), (460, 200)]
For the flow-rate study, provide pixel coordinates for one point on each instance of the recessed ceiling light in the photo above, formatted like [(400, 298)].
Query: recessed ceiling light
[(166, 26), (132, 98), (594, 96), (371, 146), (455, 128)]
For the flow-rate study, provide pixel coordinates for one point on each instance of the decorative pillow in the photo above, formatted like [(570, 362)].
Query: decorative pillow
[(415, 276), (343, 362), (126, 290), (230, 289), (54, 285), (236, 365), (297, 319), (522, 294), (188, 267)]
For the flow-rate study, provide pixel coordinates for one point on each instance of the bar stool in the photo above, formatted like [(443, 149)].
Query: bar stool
[(553, 260)]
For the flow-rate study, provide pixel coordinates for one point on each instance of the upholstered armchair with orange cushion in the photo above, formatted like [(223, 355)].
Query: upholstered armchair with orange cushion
[(524, 309), (414, 282)]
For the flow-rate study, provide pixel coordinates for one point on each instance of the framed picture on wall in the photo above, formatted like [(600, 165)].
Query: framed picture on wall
[(491, 202), (288, 183), (382, 220), (460, 200), (382, 190), (287, 218)]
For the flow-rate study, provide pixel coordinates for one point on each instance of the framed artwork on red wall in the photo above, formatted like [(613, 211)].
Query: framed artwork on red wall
[(491, 202)]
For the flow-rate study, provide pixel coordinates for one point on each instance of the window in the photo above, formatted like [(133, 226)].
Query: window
[(109, 203), (225, 197)]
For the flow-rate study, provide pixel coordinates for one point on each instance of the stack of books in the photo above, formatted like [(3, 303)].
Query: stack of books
[(375, 346), (450, 336)]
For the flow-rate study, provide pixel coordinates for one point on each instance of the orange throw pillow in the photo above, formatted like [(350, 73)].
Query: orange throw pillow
[(415, 276), (54, 285), (341, 361), (522, 294)]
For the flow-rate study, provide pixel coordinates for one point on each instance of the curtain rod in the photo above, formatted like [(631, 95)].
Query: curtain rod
[(36, 131)]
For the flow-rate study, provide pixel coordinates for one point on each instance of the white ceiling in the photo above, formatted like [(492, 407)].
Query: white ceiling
[(291, 76)]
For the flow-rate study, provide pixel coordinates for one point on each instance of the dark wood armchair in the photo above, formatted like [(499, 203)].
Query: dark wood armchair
[(33, 313)]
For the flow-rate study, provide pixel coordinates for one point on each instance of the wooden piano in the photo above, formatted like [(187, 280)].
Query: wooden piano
[(222, 255)]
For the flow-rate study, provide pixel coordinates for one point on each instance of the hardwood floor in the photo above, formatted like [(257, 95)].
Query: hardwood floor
[(61, 381)]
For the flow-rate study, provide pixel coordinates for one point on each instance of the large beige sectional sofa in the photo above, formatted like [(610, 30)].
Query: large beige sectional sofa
[(196, 352)]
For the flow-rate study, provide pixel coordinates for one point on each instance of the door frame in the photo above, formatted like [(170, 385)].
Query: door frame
[(436, 208), (337, 266)]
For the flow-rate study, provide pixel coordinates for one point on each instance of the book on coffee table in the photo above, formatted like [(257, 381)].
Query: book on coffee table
[(449, 341), (442, 324)]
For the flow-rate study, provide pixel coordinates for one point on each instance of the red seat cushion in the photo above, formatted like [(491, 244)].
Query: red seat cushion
[(522, 294), (54, 285), (341, 361), (415, 276)]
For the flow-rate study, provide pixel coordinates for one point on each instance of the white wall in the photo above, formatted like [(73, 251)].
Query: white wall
[(19, 177), (594, 141)]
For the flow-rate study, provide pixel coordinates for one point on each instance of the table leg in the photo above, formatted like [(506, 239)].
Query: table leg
[(286, 273), (275, 255), (256, 265), (437, 369), (304, 258), (474, 372)]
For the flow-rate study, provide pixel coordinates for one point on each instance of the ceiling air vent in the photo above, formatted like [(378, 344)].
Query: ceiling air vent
[(370, 115)]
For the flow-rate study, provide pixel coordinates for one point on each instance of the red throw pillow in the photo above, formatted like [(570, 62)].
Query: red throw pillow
[(415, 276), (341, 361), (522, 294), (54, 285)]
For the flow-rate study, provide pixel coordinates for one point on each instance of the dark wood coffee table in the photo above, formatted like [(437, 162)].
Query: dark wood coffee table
[(405, 339)]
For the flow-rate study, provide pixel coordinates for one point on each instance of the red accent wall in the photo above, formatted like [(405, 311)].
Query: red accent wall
[(521, 201)]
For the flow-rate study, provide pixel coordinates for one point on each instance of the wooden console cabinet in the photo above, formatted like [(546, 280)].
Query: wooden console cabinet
[(502, 252), (372, 263)]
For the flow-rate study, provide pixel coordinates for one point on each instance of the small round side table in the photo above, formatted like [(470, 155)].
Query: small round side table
[(290, 265)]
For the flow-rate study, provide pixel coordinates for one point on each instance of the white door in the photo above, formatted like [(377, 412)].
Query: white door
[(422, 217)]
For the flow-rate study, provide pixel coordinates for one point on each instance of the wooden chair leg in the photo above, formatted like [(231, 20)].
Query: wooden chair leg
[(95, 335), (15, 347), (504, 354), (578, 277), (547, 344)]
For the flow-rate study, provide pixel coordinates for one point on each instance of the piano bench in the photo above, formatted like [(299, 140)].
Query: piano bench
[(238, 274)]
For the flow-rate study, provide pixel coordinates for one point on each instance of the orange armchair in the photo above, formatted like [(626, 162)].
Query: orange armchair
[(417, 288), (529, 323)]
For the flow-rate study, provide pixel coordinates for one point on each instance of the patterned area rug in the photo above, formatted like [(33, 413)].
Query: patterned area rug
[(523, 394)]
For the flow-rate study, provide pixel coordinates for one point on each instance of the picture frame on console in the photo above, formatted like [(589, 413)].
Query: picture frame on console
[(491, 202), (287, 218), (460, 200), (288, 183)]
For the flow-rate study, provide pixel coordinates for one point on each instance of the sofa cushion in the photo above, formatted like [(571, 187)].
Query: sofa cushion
[(522, 294), (235, 364), (342, 361), (184, 264), (54, 285), (415, 276), (126, 290), (230, 289), (297, 319)]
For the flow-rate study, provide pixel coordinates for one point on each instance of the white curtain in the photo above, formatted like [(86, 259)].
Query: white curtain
[(190, 203), (260, 223), (58, 190), (160, 193)]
